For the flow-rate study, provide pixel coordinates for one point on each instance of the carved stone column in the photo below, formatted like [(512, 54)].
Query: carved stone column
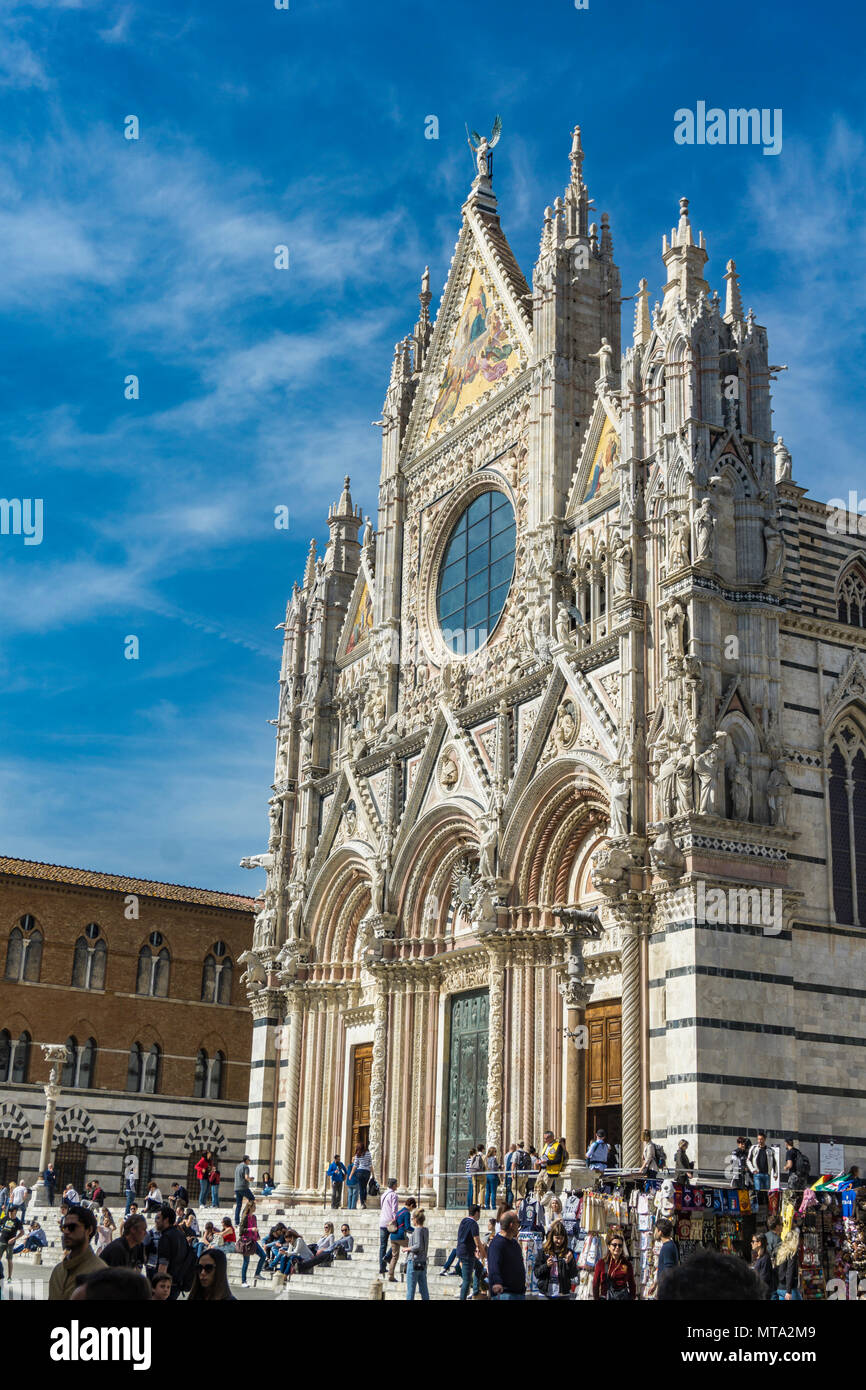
[(290, 1096), (631, 1039), (378, 1077), (495, 1047), (55, 1053)]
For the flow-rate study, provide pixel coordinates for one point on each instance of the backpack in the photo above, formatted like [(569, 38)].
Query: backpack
[(804, 1167), (182, 1270), (661, 1156), (522, 1161), (186, 1270)]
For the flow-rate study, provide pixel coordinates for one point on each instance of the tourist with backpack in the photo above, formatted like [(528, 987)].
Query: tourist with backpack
[(797, 1166), (598, 1153), (653, 1158), (521, 1167), (174, 1253)]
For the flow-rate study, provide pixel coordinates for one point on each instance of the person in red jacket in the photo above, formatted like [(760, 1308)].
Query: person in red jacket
[(202, 1168), (614, 1277)]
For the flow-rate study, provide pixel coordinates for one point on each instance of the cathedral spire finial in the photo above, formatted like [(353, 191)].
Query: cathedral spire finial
[(733, 302), (684, 260), (577, 203), (576, 158), (310, 570), (422, 327), (642, 326)]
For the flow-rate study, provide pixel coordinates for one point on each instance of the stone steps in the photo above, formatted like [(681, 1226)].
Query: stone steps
[(352, 1280)]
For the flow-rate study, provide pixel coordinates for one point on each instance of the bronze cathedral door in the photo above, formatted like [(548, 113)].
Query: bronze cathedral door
[(467, 1089)]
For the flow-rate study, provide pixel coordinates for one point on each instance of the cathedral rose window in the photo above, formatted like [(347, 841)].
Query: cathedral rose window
[(476, 572)]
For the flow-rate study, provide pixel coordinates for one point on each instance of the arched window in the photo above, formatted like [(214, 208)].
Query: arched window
[(86, 1063), (216, 975), (20, 1061), (201, 1071), (151, 1070), (88, 961), (134, 1069), (847, 794), (24, 951), (154, 964), (851, 601), (217, 1071), (209, 1075), (5, 1055), (70, 1066)]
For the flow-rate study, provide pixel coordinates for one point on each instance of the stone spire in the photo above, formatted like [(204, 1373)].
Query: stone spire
[(642, 326), (422, 327), (684, 261), (733, 302), (310, 571), (344, 520), (577, 202)]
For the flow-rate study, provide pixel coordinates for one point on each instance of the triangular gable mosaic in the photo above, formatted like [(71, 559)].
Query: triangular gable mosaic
[(483, 352)]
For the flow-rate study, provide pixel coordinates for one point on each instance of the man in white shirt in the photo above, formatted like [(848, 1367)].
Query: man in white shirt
[(387, 1217), (20, 1196)]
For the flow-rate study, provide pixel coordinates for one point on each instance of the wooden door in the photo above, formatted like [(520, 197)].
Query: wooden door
[(604, 1070), (362, 1070)]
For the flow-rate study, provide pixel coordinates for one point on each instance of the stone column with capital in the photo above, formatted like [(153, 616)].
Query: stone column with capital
[(575, 997), (290, 1095), (55, 1053)]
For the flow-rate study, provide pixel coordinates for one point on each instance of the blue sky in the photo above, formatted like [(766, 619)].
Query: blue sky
[(155, 257)]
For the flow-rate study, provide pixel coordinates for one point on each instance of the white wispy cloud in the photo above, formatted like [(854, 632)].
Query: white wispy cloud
[(810, 209)]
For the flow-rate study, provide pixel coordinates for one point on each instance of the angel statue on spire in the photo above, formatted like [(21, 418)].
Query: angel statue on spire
[(481, 147)]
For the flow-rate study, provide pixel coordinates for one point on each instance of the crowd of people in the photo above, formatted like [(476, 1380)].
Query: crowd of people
[(160, 1248), (170, 1249)]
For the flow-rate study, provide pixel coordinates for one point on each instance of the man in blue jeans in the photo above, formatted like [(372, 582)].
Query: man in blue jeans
[(242, 1186), (469, 1252), (763, 1164), (387, 1217)]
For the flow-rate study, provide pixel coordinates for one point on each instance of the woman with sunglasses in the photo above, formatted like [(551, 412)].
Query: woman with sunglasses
[(614, 1277), (210, 1283)]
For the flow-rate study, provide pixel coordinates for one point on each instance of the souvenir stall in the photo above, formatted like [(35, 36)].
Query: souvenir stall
[(705, 1215), (832, 1216)]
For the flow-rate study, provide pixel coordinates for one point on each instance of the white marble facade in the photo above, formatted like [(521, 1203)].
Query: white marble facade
[(644, 716)]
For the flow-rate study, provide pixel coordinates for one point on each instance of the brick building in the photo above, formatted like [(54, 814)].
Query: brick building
[(140, 981)]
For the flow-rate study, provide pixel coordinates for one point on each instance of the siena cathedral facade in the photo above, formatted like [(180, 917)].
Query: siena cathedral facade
[(568, 823)]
